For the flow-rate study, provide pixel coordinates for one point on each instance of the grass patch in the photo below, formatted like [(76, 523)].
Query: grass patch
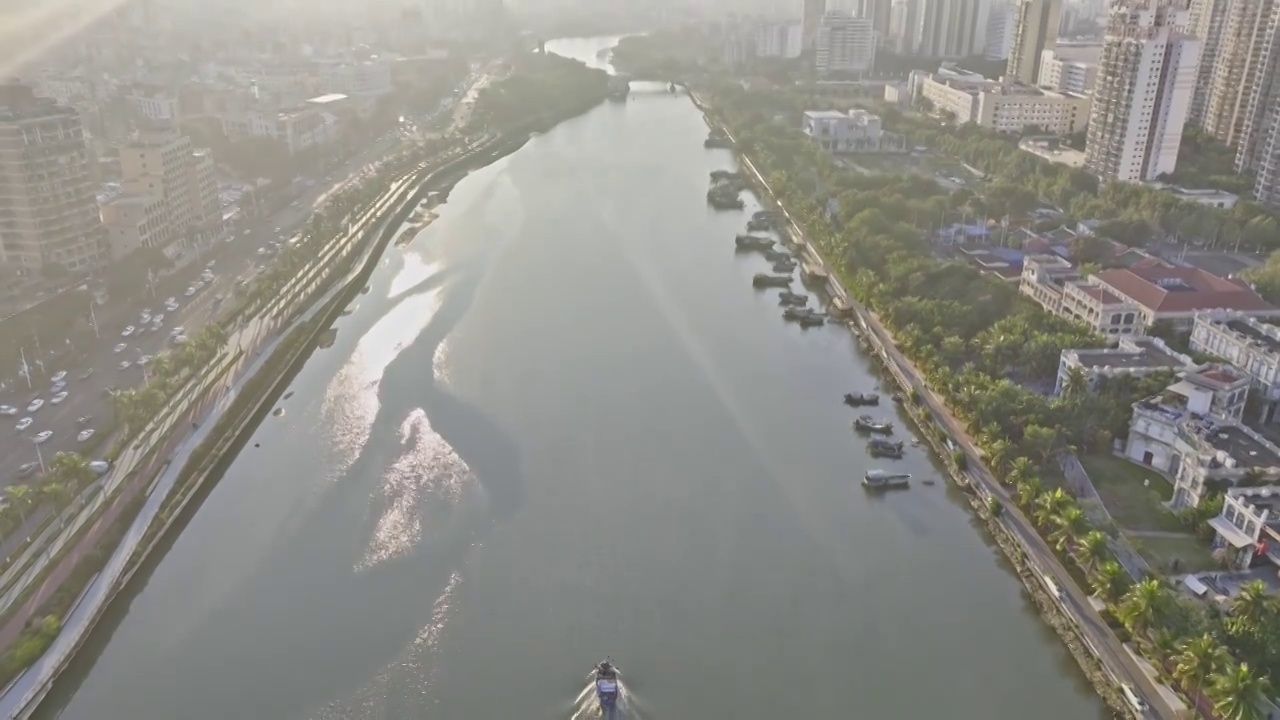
[(1191, 554), (1120, 483)]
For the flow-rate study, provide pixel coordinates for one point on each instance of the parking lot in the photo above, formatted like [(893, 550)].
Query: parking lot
[(234, 258)]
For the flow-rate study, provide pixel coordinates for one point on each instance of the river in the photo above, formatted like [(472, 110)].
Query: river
[(561, 425)]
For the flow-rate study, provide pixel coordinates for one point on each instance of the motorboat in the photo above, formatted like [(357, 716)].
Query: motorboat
[(879, 447), (777, 256), (866, 423), (812, 321), (754, 242), (759, 225), (607, 688), (762, 280), (767, 215), (885, 480), (792, 299), (723, 199), (796, 314), (784, 266), (861, 399)]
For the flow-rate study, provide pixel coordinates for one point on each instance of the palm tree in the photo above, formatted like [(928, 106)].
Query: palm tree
[(20, 498), (1253, 603), (1198, 658), (1029, 490), (1049, 505), (1109, 581), (1237, 692), (1143, 606), (1020, 470), (1076, 383), (1071, 523), (1091, 549), (72, 470)]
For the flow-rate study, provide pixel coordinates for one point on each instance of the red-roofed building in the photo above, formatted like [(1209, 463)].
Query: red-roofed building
[(1176, 294)]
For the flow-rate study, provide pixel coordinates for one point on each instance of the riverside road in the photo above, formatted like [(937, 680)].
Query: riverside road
[(560, 425)]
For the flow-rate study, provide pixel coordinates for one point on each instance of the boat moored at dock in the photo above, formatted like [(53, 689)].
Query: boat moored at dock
[(754, 242), (792, 299), (885, 480), (866, 423), (761, 280), (861, 399), (879, 447)]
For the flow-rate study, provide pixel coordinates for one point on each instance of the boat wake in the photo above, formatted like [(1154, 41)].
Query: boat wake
[(587, 707)]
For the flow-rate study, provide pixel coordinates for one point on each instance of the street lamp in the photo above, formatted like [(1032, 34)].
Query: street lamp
[(39, 456)]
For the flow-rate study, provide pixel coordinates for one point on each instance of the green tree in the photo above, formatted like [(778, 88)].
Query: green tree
[(1144, 606), (1198, 659), (1238, 693), (1109, 582)]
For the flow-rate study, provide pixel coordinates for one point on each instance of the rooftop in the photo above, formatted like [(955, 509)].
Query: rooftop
[(1180, 290), (1254, 332), (1133, 354), (1246, 450), (1101, 294), (1264, 497), (326, 99), (825, 115)]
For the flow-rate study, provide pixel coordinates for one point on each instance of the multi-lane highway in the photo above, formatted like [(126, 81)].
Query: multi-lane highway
[(235, 258)]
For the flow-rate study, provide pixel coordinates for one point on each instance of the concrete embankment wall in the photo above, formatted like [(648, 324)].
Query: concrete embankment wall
[(932, 430)]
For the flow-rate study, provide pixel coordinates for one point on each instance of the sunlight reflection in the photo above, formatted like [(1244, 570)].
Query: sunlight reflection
[(414, 271), (351, 401), (429, 470)]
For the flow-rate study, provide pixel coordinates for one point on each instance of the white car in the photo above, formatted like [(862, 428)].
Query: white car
[(125, 365), (8, 410), (43, 436), (58, 387), (127, 331), (142, 361), (207, 276), (190, 291), (179, 339), (100, 466), (144, 318), (35, 405), (23, 424), (171, 308), (1138, 704), (57, 399), (84, 435), (158, 319), (120, 348), (58, 377)]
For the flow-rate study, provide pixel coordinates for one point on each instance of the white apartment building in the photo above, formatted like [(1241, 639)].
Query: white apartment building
[(845, 45), (1000, 24), (1238, 66), (1143, 91), (1005, 107), (1249, 344), (779, 40), (133, 222), (1073, 76), (1207, 22), (1248, 529), (1035, 30), (1135, 356), (163, 165), (852, 132), (1259, 147), (153, 102), (1194, 432)]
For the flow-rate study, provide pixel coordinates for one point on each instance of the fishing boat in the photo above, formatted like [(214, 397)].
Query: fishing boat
[(762, 280), (753, 242), (866, 423), (812, 321), (861, 399), (885, 480), (793, 299), (878, 447), (796, 314)]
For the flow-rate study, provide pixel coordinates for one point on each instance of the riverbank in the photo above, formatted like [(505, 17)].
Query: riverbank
[(169, 502), (1097, 650)]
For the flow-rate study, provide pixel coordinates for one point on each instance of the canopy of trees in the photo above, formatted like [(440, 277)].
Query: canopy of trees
[(541, 89)]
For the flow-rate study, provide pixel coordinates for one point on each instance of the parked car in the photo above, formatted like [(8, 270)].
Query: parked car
[(125, 365), (35, 405), (100, 466), (8, 410), (120, 348), (84, 435), (178, 339), (127, 331), (43, 436), (58, 377), (189, 292), (58, 387), (26, 469), (57, 399), (142, 361), (23, 424), (158, 319), (84, 420), (1138, 704)]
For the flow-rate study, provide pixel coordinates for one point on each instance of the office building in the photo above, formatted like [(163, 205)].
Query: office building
[(1000, 23), (161, 165), (1035, 29), (1239, 62), (810, 20), (48, 210), (844, 45), (1002, 106), (779, 40), (1143, 91), (1208, 19), (952, 28)]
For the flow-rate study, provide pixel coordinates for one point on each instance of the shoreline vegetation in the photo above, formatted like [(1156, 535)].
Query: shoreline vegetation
[(980, 347), (539, 92)]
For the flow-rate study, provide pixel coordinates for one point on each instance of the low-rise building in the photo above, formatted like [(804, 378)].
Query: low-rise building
[(154, 102), (1006, 107), (1200, 196), (1043, 277), (1194, 431), (1249, 344), (1136, 356), (365, 78), (1055, 284), (1248, 529), (856, 131), (1176, 294)]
